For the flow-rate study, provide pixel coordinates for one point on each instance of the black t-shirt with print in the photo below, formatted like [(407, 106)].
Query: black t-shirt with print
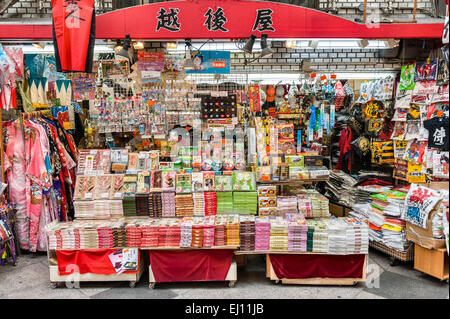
[(438, 132)]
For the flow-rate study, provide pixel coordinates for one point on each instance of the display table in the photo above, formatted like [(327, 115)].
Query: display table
[(92, 265), (192, 264), (316, 269)]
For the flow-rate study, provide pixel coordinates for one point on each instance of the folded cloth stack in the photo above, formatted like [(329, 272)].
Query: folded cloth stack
[(220, 231), (142, 205), (210, 203), (150, 233), (247, 233), (184, 205), (317, 237), (297, 234), (262, 233), (116, 208), (305, 205), (286, 204), (155, 205), (245, 203), (233, 230), (129, 205), (169, 232), (134, 234), (120, 234), (105, 236), (168, 204), (224, 202), (208, 231), (198, 232), (279, 233), (84, 209), (186, 232), (199, 204)]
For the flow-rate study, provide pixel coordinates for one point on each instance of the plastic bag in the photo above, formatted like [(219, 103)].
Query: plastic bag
[(407, 77)]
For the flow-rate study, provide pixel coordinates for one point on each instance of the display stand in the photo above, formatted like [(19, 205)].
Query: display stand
[(394, 254), (190, 273), (270, 273), (305, 281), (56, 278)]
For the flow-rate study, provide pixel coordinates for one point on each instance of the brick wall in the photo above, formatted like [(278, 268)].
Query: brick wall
[(349, 8), (26, 9), (285, 59), (402, 8)]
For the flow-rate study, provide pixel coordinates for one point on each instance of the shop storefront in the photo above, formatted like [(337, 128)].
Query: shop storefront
[(180, 137)]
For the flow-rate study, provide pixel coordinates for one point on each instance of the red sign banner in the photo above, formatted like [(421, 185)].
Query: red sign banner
[(73, 34), (231, 19), (254, 98)]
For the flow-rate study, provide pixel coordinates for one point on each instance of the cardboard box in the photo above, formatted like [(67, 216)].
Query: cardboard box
[(337, 210), (313, 160), (424, 237), (433, 262)]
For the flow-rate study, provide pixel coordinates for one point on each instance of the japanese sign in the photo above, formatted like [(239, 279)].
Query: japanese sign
[(150, 61), (254, 98)]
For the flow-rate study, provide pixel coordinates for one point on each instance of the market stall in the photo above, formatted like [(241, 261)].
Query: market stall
[(150, 153)]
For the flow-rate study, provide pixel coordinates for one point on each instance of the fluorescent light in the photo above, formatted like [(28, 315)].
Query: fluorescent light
[(171, 45), (48, 49), (291, 44), (138, 45)]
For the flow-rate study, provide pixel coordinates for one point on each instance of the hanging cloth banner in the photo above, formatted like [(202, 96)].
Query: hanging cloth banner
[(73, 34), (254, 98)]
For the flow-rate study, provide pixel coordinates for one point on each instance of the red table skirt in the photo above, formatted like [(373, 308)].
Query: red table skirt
[(191, 265), (93, 261), (317, 266)]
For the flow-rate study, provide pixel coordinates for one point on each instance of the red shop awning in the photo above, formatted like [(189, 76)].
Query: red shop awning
[(232, 19)]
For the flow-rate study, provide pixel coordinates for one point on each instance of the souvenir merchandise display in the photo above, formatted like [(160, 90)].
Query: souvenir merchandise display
[(145, 153), (249, 233), (47, 177)]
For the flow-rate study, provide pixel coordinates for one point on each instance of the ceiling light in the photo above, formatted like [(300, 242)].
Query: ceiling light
[(138, 45), (39, 45), (248, 47), (172, 45), (266, 50), (291, 44)]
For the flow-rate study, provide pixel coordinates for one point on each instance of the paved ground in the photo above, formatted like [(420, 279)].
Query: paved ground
[(30, 279)]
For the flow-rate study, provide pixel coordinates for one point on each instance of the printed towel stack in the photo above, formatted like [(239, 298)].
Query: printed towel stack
[(262, 233), (168, 204), (233, 230), (220, 231), (199, 204), (279, 234), (247, 233)]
